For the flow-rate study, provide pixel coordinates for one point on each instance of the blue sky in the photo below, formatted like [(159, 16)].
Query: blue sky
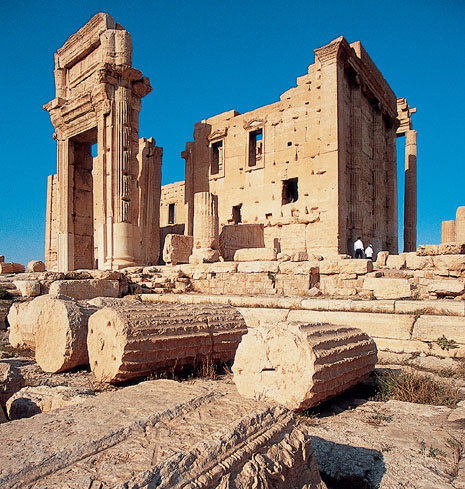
[(204, 57)]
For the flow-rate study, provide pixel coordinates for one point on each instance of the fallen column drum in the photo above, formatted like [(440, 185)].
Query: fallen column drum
[(133, 340), (301, 365), (61, 335)]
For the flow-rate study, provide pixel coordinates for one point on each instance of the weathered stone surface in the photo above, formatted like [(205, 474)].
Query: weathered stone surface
[(428, 250), (24, 318), (18, 267), (447, 287), (450, 262), (389, 288), (61, 336), (255, 254), (301, 365), (85, 289), (457, 248), (437, 307), (258, 267), (28, 288), (238, 236), (11, 380), (381, 258), (376, 325), (430, 328), (360, 267), (390, 445), (132, 340), (396, 262), (36, 266), (160, 434), (30, 401), (177, 248), (415, 262), (206, 229)]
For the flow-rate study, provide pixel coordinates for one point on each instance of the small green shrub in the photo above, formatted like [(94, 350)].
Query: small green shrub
[(446, 344)]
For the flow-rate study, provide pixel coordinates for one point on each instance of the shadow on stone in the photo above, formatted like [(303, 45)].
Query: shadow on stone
[(347, 467)]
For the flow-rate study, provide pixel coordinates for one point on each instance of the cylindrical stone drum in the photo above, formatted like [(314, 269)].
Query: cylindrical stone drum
[(134, 340), (301, 365), (61, 338), (460, 224)]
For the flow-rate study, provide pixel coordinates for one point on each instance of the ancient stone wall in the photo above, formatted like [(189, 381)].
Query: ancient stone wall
[(316, 168), (100, 201)]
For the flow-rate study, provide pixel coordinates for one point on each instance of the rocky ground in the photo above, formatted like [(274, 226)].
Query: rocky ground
[(359, 442)]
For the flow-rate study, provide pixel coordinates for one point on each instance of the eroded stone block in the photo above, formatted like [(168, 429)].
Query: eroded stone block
[(301, 365), (164, 434), (85, 289), (177, 248), (255, 254)]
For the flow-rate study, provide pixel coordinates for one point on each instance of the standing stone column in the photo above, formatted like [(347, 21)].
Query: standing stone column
[(460, 224), (410, 202), (206, 224), (448, 231)]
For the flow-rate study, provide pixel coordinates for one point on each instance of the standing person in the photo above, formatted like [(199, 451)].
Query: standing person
[(358, 248), (369, 252)]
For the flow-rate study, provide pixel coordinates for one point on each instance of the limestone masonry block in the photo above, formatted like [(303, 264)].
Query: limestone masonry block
[(450, 262), (360, 267), (258, 267), (298, 268), (255, 254), (203, 434), (28, 288), (177, 248), (447, 287), (36, 266), (457, 248), (430, 328), (132, 340), (375, 325), (301, 365), (381, 258), (428, 250), (389, 288), (85, 289), (396, 262), (238, 236), (30, 401), (415, 262), (61, 336)]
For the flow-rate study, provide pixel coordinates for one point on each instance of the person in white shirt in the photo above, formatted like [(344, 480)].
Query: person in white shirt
[(358, 248), (369, 252)]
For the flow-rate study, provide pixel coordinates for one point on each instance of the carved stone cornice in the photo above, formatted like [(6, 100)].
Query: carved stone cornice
[(218, 134), (254, 124)]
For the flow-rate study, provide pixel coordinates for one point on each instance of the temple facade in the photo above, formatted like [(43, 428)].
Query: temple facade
[(309, 173)]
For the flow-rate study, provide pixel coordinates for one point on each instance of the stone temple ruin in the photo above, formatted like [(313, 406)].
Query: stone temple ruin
[(245, 263), (322, 161)]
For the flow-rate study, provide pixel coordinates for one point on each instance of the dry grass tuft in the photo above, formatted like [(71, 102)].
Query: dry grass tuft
[(421, 389)]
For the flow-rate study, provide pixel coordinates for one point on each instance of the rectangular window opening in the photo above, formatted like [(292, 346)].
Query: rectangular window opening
[(216, 158), (171, 213), (255, 147), (290, 191), (236, 214)]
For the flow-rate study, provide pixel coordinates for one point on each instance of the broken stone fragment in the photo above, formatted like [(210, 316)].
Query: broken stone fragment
[(162, 434), (28, 288), (132, 340), (30, 401), (301, 365)]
